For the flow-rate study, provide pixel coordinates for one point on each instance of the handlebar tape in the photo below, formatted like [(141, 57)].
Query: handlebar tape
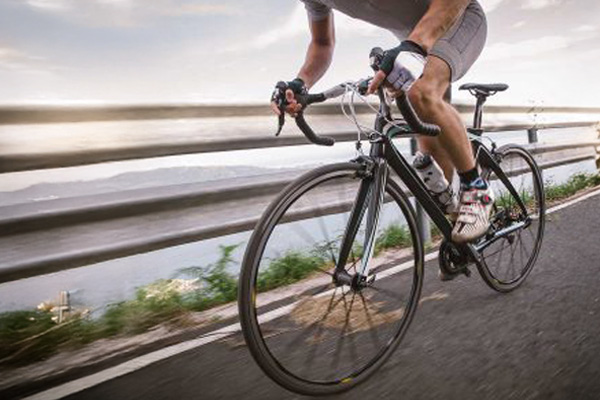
[(308, 99), (413, 120), (310, 134)]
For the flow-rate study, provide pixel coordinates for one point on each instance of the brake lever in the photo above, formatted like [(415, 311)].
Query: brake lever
[(363, 86), (278, 98), (281, 122)]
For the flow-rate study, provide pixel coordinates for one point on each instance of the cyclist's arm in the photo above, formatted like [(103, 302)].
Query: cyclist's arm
[(438, 19), (320, 51), (317, 61)]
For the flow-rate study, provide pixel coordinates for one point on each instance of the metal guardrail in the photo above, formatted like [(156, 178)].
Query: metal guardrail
[(60, 114), (27, 162), (192, 196)]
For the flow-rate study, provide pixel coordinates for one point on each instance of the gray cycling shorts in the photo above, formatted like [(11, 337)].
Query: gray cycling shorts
[(461, 46)]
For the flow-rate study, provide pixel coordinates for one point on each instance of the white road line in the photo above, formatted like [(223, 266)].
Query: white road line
[(87, 382), (572, 202)]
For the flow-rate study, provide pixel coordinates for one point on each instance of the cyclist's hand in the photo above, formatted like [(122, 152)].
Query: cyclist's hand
[(292, 107), (400, 68)]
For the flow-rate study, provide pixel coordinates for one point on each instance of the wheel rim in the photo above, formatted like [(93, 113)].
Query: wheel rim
[(329, 335), (510, 259)]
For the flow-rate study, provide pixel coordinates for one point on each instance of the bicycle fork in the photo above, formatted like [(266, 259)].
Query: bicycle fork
[(369, 200)]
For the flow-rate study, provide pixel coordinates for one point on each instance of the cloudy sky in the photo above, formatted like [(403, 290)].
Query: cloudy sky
[(159, 51)]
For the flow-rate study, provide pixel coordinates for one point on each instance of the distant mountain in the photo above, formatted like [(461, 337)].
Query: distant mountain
[(128, 181)]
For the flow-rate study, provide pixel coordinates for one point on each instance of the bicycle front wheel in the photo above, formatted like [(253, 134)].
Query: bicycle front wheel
[(309, 335), (506, 264)]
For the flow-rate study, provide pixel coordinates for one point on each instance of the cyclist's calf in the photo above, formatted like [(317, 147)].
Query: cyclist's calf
[(427, 96)]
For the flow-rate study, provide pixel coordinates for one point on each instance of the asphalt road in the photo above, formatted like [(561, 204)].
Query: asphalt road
[(539, 342)]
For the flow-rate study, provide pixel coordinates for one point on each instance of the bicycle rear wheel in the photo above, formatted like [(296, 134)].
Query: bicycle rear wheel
[(506, 263), (309, 335)]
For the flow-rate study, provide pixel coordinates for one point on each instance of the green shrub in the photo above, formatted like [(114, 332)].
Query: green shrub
[(217, 286), (575, 184), (393, 236), (28, 336), (292, 267)]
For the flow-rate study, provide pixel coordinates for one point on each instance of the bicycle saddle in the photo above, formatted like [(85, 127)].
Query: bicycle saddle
[(484, 89)]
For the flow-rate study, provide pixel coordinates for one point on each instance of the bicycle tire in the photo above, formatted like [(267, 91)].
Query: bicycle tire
[(247, 301), (527, 171)]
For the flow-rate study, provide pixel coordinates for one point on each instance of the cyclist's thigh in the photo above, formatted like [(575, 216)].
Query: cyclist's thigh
[(461, 46)]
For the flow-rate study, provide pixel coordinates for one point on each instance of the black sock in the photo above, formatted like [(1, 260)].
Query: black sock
[(468, 177)]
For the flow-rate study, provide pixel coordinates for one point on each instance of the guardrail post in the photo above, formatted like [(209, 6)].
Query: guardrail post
[(532, 135), (422, 219), (64, 306), (598, 151), (532, 138)]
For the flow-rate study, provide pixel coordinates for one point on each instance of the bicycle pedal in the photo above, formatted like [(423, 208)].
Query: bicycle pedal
[(371, 279), (466, 271), (446, 277)]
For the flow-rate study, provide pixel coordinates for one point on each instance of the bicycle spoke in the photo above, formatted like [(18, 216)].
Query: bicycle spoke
[(316, 338), (511, 264), (502, 248), (386, 292), (502, 252), (325, 271), (526, 249), (315, 324), (340, 342), (523, 260), (373, 332)]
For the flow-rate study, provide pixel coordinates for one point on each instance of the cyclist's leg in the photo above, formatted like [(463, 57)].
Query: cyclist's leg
[(476, 198), (429, 145), (432, 146), (452, 147), (450, 59)]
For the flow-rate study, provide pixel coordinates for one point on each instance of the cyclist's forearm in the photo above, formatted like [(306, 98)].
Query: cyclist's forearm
[(438, 19), (318, 60)]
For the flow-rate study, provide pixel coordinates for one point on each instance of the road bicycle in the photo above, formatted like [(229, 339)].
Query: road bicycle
[(332, 274)]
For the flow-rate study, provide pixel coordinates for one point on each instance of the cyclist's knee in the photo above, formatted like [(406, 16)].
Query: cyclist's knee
[(425, 96)]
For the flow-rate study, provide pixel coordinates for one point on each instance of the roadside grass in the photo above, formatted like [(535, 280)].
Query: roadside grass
[(28, 336), (576, 183), (393, 236), (292, 267), (507, 201), (554, 193)]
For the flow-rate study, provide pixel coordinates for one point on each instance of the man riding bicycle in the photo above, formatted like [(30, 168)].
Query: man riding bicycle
[(440, 41)]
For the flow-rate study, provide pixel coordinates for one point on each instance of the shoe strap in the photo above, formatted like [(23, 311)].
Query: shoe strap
[(470, 197), (476, 196), (468, 213)]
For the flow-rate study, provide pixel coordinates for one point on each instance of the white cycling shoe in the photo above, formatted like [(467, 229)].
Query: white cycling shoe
[(474, 214)]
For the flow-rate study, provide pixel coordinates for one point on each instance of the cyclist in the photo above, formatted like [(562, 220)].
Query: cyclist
[(440, 41)]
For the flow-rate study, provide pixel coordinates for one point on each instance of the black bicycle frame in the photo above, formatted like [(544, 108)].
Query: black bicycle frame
[(383, 153), (415, 185)]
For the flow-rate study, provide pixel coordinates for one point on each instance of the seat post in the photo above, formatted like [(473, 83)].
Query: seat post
[(478, 117)]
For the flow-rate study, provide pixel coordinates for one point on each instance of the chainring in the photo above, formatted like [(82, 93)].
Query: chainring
[(452, 260)]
